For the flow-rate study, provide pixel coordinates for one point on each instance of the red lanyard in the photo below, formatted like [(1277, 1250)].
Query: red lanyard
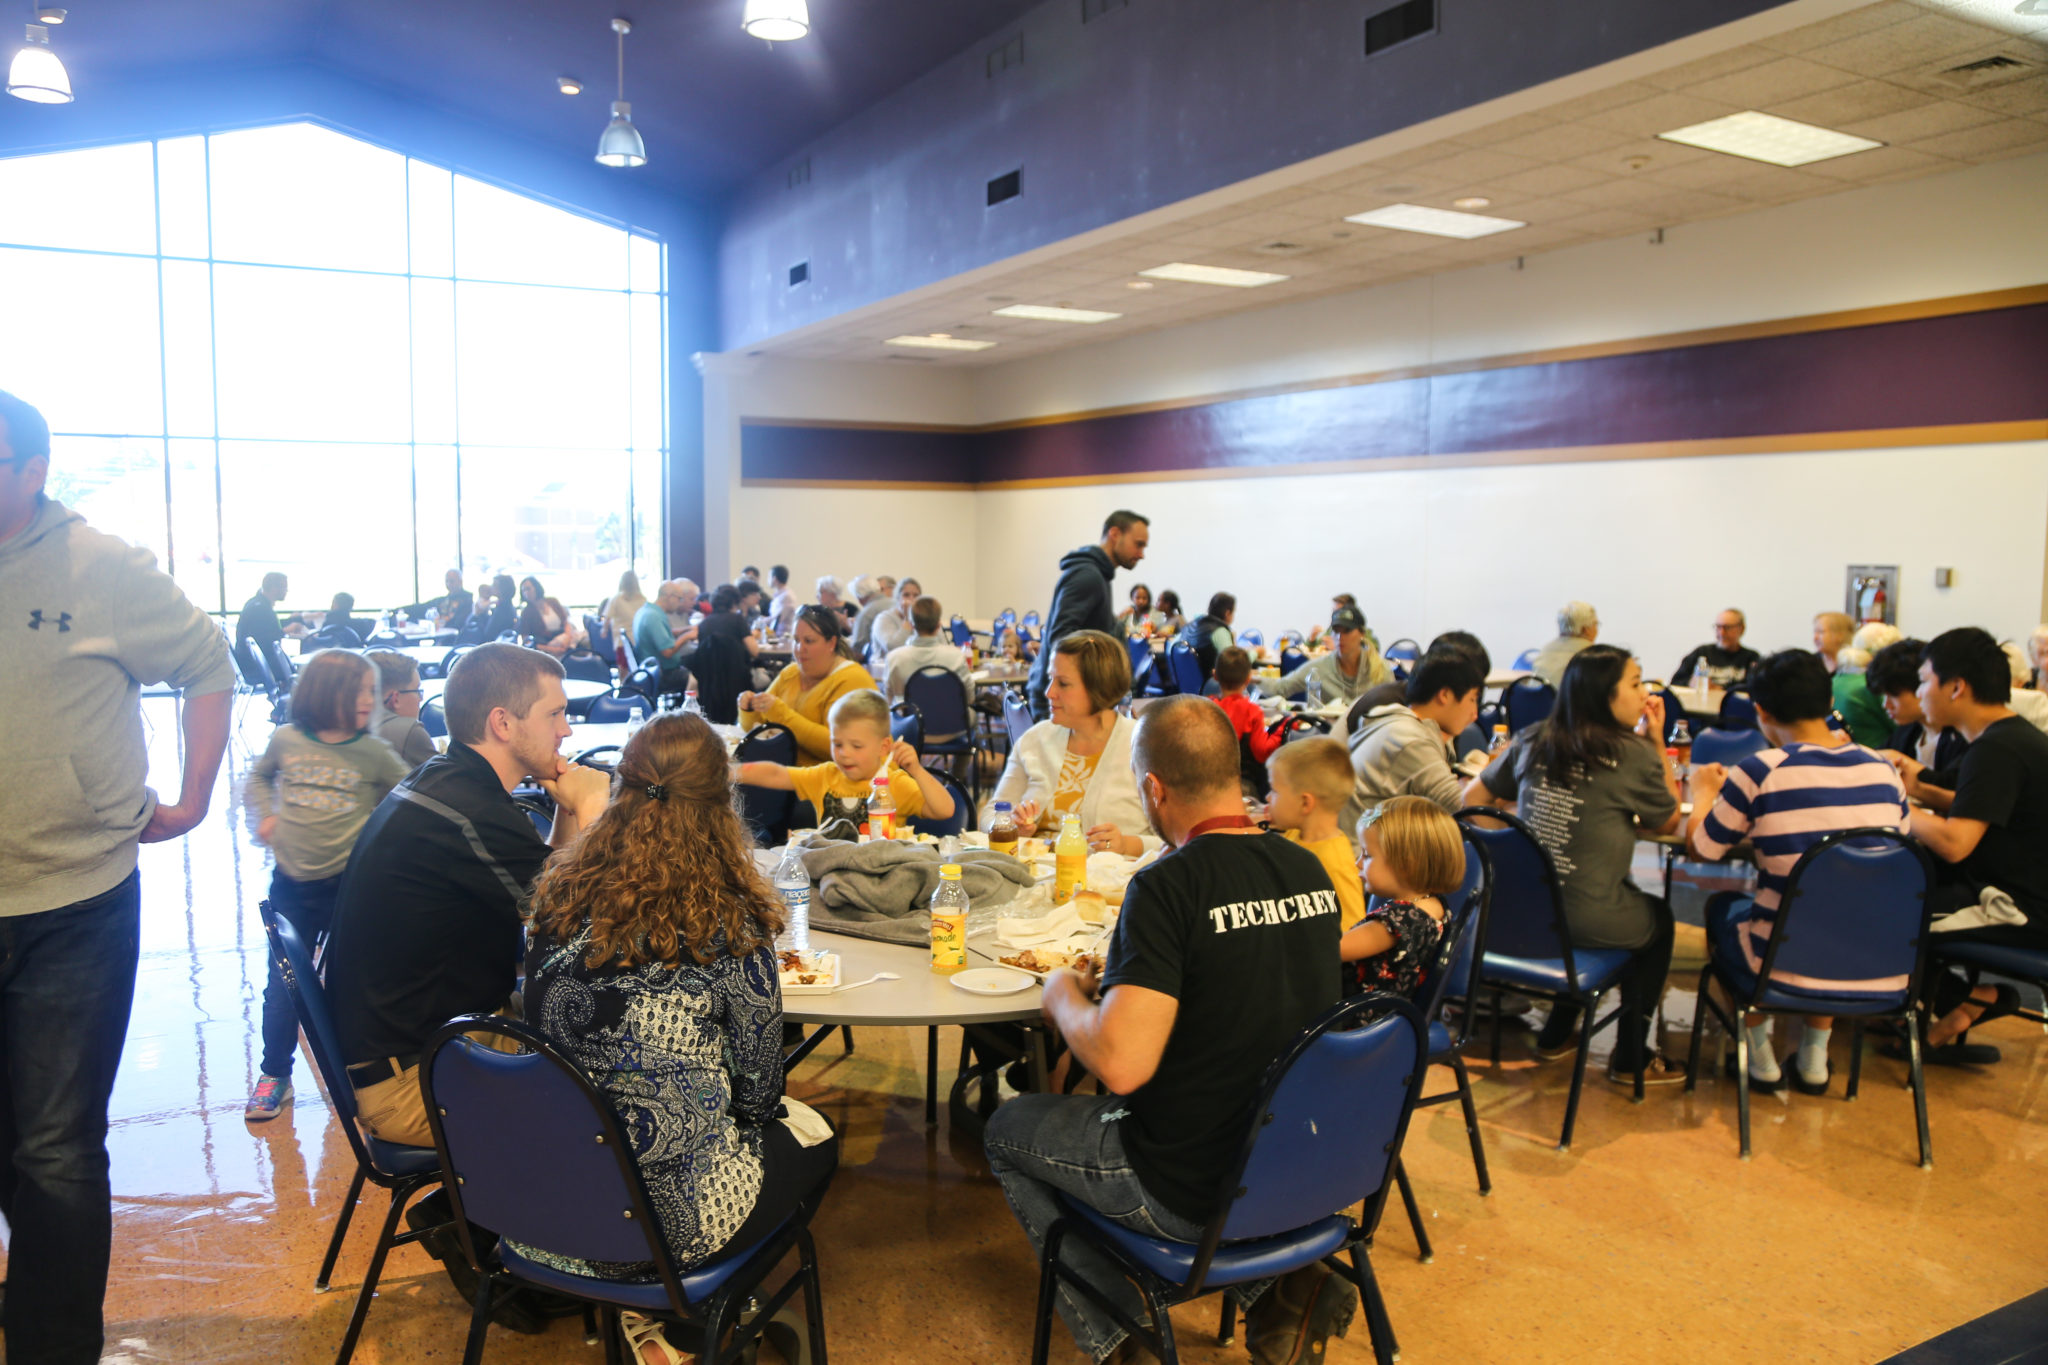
[(1220, 822)]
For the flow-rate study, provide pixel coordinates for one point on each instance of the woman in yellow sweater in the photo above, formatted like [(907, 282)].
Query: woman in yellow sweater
[(802, 694)]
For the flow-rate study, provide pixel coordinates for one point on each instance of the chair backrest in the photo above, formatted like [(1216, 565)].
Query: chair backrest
[(962, 636), (336, 637), (1526, 659), (386, 639), (249, 664), (1327, 1125), (1186, 668), (766, 809), (941, 698), (906, 724), (1016, 714), (588, 666), (433, 719), (1716, 745), (623, 645), (1404, 649), (598, 631), (1303, 726), (1738, 712), (1525, 901), (453, 657), (543, 818), (644, 681), (1291, 659), (1527, 701), (603, 757), (1450, 975), (282, 669), (963, 808), (1253, 638), (1673, 711), (294, 959), (616, 710), (537, 1152), (1855, 908), (1030, 620)]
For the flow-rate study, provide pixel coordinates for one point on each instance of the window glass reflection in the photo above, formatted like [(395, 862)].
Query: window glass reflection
[(559, 515), (333, 517), (311, 355), (298, 194), (100, 199), (504, 236), (116, 484), (81, 340), (542, 367)]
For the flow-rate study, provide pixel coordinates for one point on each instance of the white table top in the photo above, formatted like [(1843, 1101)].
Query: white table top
[(585, 735), (921, 998), (1502, 677), (1000, 673)]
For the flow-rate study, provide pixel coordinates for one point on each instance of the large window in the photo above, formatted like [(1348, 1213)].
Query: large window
[(284, 348)]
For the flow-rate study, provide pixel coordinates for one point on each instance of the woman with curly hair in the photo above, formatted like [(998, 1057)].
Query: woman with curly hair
[(652, 966)]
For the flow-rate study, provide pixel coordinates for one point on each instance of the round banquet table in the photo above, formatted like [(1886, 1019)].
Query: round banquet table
[(577, 689), (923, 999)]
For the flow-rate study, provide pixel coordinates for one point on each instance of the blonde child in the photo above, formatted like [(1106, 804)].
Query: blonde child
[(1311, 780), (316, 785), (860, 745), (1414, 856)]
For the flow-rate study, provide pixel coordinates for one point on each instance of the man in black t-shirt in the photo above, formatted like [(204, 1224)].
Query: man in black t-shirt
[(1726, 661), (1226, 949), (1991, 832)]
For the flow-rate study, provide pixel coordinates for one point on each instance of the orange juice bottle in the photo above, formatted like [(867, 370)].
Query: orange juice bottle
[(1070, 861), (949, 922)]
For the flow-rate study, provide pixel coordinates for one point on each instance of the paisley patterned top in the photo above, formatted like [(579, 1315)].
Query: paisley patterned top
[(691, 1059)]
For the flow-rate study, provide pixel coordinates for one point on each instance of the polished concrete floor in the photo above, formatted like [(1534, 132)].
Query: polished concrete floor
[(1649, 1241)]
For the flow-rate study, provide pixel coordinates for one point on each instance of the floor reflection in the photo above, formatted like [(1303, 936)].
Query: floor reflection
[(1650, 1240)]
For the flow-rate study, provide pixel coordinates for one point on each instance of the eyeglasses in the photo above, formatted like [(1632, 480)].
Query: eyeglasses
[(408, 691)]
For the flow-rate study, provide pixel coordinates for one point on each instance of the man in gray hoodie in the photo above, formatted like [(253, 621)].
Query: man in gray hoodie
[(87, 621), (1081, 599), (1405, 750)]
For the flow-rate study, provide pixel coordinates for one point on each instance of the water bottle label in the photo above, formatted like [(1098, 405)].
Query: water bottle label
[(796, 904)]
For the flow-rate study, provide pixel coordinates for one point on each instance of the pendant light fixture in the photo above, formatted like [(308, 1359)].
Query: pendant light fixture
[(621, 145), (35, 74), (777, 21)]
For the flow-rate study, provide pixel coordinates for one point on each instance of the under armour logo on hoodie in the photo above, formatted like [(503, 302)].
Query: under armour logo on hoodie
[(63, 622)]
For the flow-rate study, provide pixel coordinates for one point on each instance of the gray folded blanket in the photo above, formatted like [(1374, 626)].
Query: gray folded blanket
[(883, 890)]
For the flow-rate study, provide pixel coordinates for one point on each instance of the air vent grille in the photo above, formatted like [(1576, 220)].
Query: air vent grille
[(1997, 69), (1005, 187), (799, 273), (1001, 59), (1400, 24)]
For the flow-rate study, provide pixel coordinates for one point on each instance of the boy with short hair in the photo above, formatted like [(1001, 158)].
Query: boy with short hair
[(860, 745), (1233, 673), (1311, 782)]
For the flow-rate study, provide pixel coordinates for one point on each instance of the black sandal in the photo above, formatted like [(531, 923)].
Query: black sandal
[(1948, 1054)]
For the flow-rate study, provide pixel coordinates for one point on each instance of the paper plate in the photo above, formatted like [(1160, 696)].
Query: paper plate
[(992, 981)]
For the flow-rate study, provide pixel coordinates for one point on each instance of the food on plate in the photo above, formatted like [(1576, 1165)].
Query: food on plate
[(804, 969), (1039, 961), (1094, 906), (1033, 847)]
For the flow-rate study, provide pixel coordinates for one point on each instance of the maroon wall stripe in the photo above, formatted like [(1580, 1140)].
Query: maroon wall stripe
[(1958, 369)]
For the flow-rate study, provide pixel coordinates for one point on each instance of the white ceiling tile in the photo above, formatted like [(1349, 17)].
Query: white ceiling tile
[(1880, 163), (1477, 165), (1563, 142), (1508, 128), (1660, 114), (1852, 103), (1601, 100), (1708, 68), (1751, 180), (2021, 99), (1548, 180), (1990, 142), (1929, 120), (1850, 25), (1914, 43), (1787, 78)]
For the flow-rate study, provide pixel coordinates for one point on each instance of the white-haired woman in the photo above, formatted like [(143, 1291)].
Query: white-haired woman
[(2037, 657), (2026, 703)]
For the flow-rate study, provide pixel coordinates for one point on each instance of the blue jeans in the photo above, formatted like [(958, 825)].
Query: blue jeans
[(67, 980), (1038, 1144), (309, 908)]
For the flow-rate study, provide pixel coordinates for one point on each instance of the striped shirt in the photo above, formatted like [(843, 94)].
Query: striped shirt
[(1785, 801)]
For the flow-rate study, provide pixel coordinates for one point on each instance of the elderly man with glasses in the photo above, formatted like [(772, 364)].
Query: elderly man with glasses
[(1725, 662)]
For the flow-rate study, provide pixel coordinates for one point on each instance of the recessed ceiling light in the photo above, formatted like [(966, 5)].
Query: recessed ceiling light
[(1472, 203), (568, 85), (1137, 284), (1766, 137), (939, 341), (1041, 313), (1435, 222), (1213, 274), (50, 14)]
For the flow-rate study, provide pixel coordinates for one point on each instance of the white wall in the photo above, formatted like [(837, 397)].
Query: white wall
[(1657, 545)]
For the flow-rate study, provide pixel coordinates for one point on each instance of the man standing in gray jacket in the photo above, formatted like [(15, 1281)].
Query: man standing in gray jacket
[(87, 621), (1405, 750), (1081, 600)]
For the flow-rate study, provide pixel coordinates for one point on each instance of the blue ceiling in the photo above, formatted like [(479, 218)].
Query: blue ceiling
[(714, 105)]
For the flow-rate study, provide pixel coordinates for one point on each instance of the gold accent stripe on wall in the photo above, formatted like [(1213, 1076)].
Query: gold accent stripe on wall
[(1967, 433)]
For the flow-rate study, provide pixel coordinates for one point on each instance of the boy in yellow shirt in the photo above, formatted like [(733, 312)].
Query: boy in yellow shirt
[(860, 744), (1311, 782)]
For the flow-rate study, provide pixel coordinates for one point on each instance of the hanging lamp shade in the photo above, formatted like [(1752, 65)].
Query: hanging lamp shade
[(35, 74), (778, 21), (620, 144)]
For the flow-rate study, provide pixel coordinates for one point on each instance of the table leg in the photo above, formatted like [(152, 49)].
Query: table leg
[(807, 1047)]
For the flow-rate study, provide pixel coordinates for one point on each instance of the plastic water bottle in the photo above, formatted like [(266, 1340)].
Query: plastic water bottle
[(1499, 741), (793, 884), (1681, 744), (881, 809)]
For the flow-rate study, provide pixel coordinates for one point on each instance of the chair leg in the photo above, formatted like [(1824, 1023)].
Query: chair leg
[(614, 1337), (814, 1297), (479, 1323), (931, 1076), (1742, 1083), (1226, 1327), (348, 1209), (591, 1336), (1919, 1093), (1472, 1123), (1385, 1347), (1855, 1058), (846, 1039), (369, 1289), (1424, 1251), (1571, 1104), (1494, 1055), (1048, 1282), (1162, 1327), (1692, 1053)]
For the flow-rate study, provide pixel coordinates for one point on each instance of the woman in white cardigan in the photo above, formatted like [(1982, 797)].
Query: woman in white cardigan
[(1079, 762)]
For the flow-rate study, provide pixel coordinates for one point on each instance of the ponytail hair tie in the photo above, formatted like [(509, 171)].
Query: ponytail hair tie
[(657, 791)]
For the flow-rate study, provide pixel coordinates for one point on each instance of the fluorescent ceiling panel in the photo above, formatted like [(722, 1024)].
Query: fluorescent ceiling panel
[(1435, 222), (940, 343), (1766, 137), (1213, 274), (1046, 313)]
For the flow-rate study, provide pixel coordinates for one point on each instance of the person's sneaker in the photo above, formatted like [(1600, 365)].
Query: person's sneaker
[(268, 1099), (1659, 1071)]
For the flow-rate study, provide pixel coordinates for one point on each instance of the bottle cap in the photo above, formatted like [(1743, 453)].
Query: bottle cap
[(949, 872), (1004, 805)]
